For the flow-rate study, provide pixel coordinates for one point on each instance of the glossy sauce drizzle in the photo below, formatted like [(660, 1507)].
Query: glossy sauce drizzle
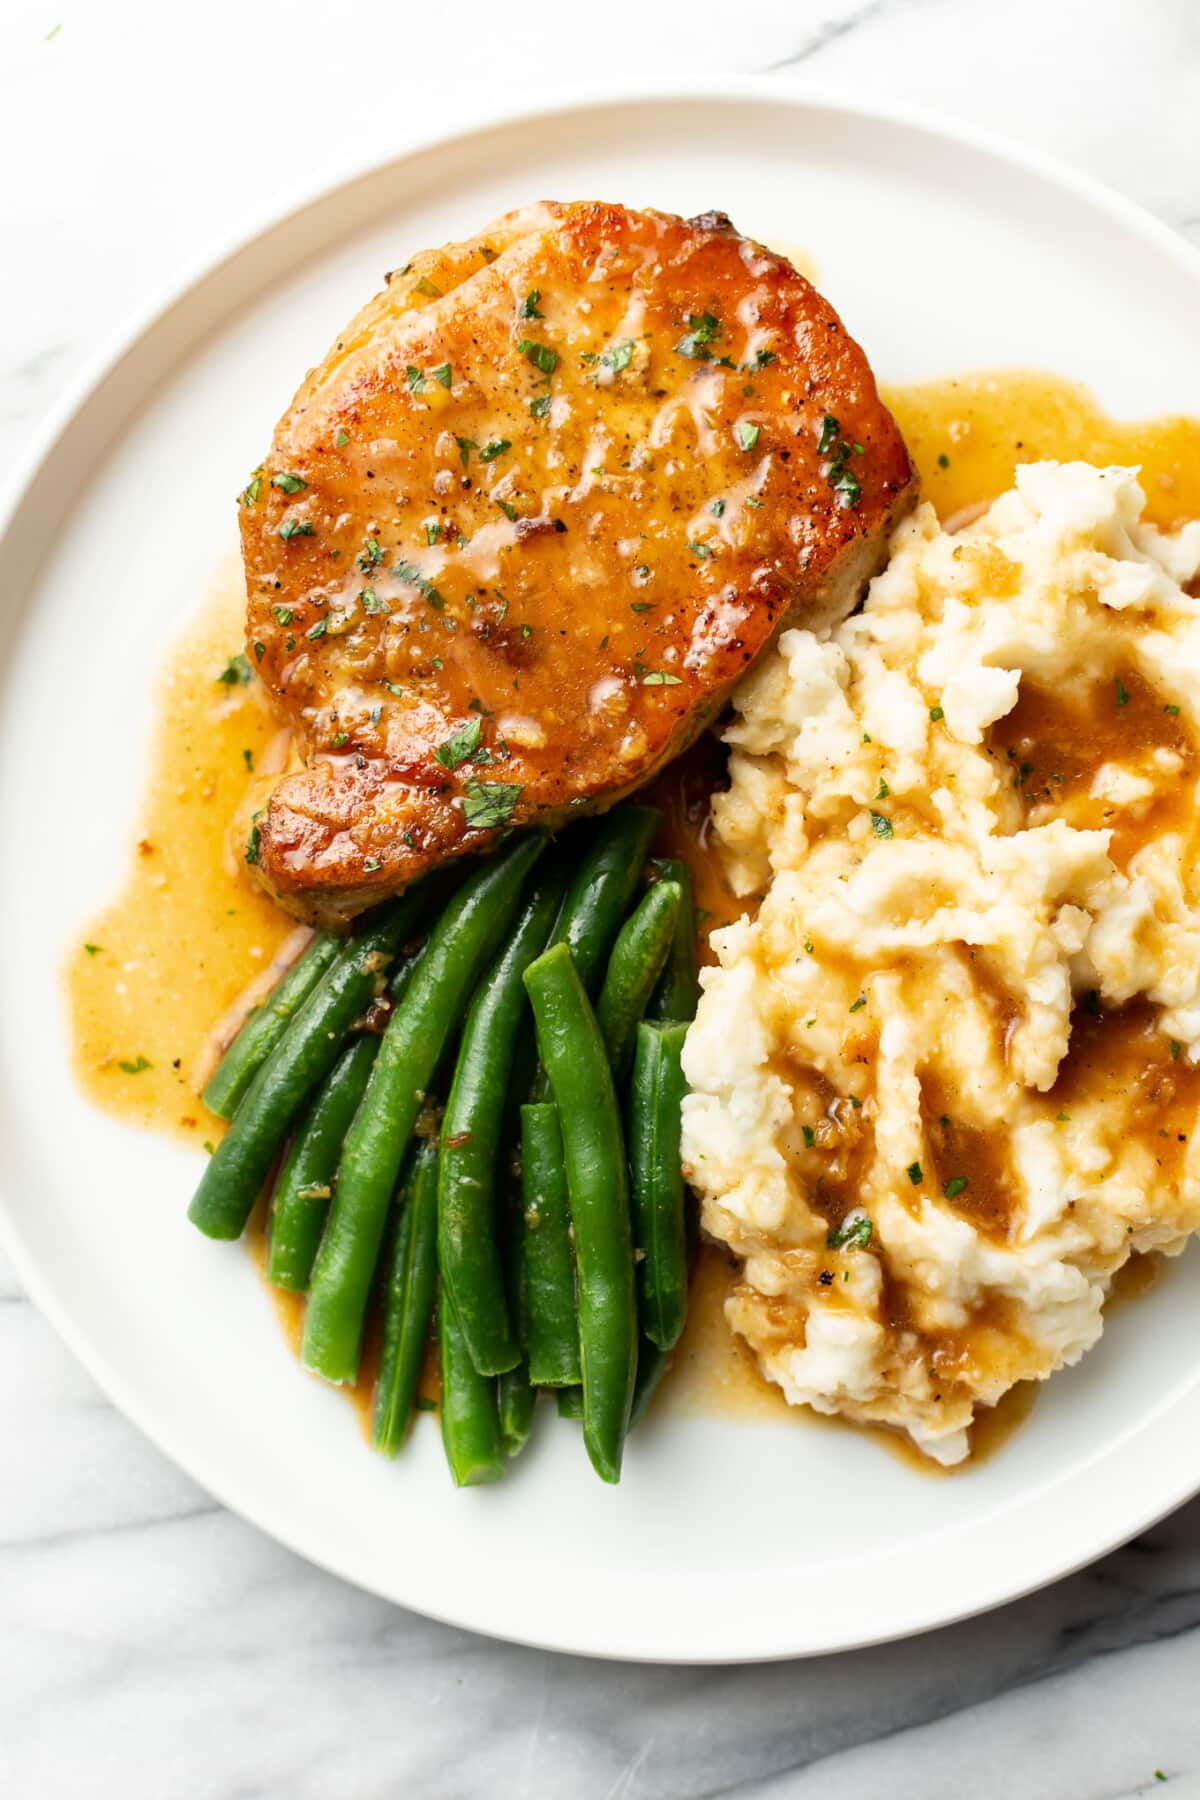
[(188, 932)]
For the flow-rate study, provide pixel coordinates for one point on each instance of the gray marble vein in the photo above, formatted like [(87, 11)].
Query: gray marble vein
[(151, 1644)]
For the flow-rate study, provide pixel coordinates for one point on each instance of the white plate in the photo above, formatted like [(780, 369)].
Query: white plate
[(724, 1541)]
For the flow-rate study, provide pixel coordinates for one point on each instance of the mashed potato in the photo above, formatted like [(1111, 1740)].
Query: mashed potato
[(944, 1081)]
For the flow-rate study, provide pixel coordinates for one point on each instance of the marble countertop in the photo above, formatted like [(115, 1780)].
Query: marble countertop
[(151, 1643)]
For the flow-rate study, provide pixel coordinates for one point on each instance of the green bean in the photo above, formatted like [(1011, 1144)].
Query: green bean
[(305, 1185), (638, 958), (573, 1054), (552, 1338), (468, 1239), (265, 1026), (458, 949), (656, 1096), (676, 995), (518, 1401), (298, 1064), (605, 881), (570, 1403), (517, 1394), (607, 858), (408, 1308), (653, 1364), (470, 1419)]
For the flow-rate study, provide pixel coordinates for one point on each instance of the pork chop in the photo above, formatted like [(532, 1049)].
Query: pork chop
[(548, 496)]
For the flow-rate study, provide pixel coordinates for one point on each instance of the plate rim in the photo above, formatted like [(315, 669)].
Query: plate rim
[(20, 491)]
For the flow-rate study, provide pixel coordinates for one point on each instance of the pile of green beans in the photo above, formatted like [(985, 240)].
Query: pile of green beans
[(467, 1120)]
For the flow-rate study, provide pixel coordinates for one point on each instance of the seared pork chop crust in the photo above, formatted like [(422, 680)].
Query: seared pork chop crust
[(545, 500)]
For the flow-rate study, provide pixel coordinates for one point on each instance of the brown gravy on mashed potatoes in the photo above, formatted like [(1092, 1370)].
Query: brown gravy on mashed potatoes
[(950, 884), (188, 932)]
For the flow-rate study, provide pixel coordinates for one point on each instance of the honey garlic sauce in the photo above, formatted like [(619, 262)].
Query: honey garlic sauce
[(187, 932), (151, 973)]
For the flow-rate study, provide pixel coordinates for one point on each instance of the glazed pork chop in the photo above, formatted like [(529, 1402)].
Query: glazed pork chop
[(547, 497)]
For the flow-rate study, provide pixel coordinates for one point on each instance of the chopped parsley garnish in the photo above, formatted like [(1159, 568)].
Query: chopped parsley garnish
[(846, 486), (700, 550), (1122, 693), (428, 288), (660, 678), (641, 606), (746, 434), (936, 713), (540, 408), (855, 1230), (288, 484), (371, 602), (248, 759), (705, 327), (619, 357), (1173, 710), (340, 738), (763, 357), (1062, 1118), (509, 511), (236, 673), (540, 355), (253, 845), (283, 615), (465, 447), (1176, 1047), (295, 528), (808, 1135), (496, 448), (462, 746), (342, 438), (370, 556), (943, 461), (717, 509), (410, 573), (395, 688), (955, 1186), (253, 487), (530, 304), (916, 1173), (135, 1067), (884, 789), (443, 374), (93, 949), (859, 1003), (841, 478), (317, 631), (487, 804), (881, 826), (260, 650), (433, 531), (416, 380)]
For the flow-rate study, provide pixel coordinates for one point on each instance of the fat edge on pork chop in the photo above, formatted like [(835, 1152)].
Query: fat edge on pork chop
[(548, 496)]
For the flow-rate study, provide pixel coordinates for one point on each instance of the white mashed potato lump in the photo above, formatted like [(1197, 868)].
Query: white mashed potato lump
[(944, 1081)]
